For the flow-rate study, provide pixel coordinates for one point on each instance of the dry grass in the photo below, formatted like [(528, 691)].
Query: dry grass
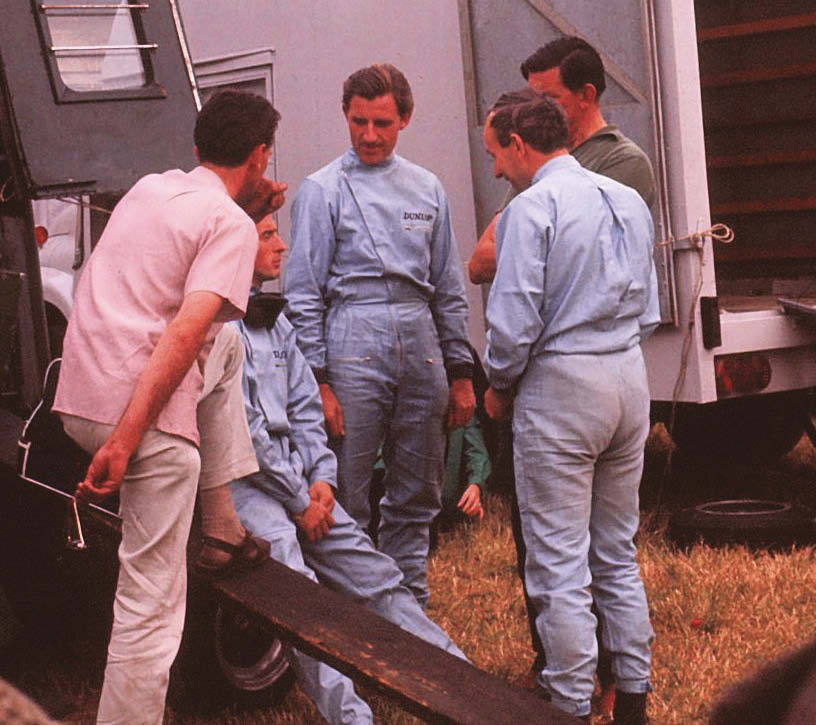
[(718, 614)]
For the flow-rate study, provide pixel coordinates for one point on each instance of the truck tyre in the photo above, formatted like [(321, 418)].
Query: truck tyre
[(225, 658), (757, 429), (250, 659), (766, 524)]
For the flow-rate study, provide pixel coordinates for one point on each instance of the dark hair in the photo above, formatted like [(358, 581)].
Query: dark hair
[(537, 119), (379, 80), (512, 98), (231, 124), (577, 60)]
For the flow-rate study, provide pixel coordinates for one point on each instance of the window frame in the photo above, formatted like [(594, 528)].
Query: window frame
[(222, 71), (65, 94)]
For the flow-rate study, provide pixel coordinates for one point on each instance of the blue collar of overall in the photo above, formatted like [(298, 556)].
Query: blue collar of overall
[(352, 161)]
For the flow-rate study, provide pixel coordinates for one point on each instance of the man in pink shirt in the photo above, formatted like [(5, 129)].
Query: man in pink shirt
[(150, 383)]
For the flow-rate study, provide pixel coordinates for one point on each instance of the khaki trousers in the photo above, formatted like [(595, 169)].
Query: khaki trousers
[(156, 505)]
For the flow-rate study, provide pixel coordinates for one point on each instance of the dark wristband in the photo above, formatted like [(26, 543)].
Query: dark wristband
[(459, 371)]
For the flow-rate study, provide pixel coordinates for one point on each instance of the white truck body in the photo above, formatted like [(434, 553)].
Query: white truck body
[(459, 56)]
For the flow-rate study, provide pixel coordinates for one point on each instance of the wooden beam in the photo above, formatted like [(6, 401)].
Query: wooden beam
[(736, 120), (771, 158), (430, 683), (763, 206), (724, 253), (757, 27), (758, 75)]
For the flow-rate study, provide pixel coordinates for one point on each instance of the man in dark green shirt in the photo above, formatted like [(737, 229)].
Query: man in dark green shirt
[(571, 72)]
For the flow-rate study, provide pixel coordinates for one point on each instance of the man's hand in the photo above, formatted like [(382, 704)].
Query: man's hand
[(482, 264), (461, 402), (471, 502), (332, 411), (498, 404), (269, 196), (316, 520), (105, 473), (322, 492)]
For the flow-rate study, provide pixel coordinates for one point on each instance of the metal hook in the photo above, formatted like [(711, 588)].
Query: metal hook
[(77, 543), (3, 196)]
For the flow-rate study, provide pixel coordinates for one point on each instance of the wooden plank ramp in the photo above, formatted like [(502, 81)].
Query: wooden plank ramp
[(430, 683)]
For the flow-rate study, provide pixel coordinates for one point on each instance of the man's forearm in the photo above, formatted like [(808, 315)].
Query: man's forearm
[(304, 409), (176, 351), (482, 264)]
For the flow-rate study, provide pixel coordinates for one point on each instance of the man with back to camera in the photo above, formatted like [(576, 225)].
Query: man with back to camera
[(376, 295), (147, 376), (290, 501), (575, 293), (570, 71)]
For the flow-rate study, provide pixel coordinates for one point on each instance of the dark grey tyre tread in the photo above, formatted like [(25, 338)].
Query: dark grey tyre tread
[(743, 521), (206, 678)]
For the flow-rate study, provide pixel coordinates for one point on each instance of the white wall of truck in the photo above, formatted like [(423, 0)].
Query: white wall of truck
[(651, 50)]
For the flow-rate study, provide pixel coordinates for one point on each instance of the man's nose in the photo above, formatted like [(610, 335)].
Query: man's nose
[(370, 133)]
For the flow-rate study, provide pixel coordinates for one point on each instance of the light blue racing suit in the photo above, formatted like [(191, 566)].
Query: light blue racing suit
[(574, 295), (376, 294), (285, 418)]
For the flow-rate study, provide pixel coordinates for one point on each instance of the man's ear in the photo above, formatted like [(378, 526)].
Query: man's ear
[(516, 142), (256, 157), (589, 93), (404, 121), (195, 151)]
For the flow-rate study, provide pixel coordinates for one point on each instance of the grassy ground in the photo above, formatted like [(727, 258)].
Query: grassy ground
[(718, 614)]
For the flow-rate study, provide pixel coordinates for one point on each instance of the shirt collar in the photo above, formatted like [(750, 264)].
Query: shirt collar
[(351, 160), (609, 130), (565, 161), (208, 177)]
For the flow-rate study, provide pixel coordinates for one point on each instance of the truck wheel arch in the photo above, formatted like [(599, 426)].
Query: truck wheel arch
[(761, 428)]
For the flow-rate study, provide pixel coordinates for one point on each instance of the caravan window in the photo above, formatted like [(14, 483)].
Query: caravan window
[(96, 47)]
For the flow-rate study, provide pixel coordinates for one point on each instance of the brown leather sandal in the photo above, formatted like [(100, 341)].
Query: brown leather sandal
[(251, 552)]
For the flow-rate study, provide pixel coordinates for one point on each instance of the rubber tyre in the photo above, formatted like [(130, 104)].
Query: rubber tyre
[(250, 659), (225, 658), (753, 522), (757, 429)]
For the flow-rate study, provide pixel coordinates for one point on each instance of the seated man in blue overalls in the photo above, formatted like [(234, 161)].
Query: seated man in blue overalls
[(290, 501)]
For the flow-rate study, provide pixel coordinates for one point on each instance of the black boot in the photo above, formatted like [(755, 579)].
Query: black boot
[(630, 708)]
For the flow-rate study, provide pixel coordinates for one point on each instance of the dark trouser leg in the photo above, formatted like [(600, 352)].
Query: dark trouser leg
[(521, 553)]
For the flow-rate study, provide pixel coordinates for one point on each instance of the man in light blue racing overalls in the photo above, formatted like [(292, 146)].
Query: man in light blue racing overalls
[(575, 294), (375, 291), (290, 501)]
